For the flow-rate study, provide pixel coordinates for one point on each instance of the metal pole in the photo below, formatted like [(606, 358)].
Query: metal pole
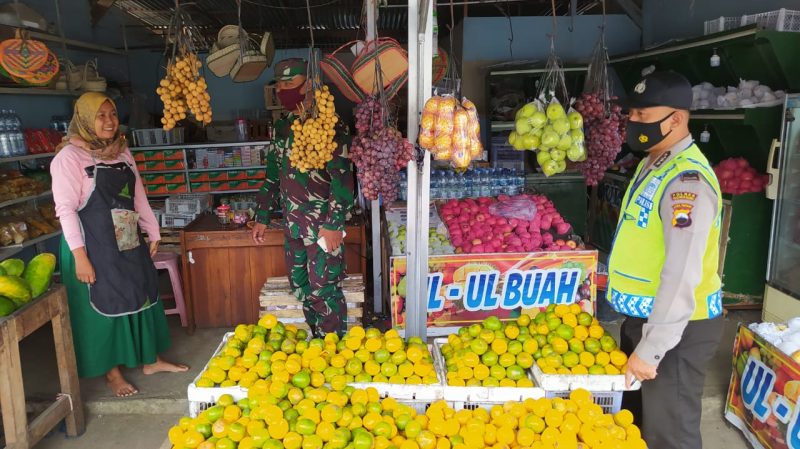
[(420, 53), (375, 205)]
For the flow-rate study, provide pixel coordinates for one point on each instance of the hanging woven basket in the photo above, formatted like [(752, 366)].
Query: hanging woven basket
[(21, 56), (439, 66), (44, 76)]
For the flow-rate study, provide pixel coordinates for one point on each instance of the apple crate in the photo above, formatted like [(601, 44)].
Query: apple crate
[(277, 298), (203, 398), (188, 204)]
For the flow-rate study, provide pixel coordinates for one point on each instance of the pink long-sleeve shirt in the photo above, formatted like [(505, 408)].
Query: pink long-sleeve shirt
[(72, 187)]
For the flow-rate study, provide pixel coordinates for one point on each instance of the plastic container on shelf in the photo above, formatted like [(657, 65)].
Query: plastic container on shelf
[(187, 204), (176, 220), (779, 20), (157, 136)]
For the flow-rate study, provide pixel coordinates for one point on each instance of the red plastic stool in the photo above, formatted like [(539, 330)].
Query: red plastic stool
[(169, 262)]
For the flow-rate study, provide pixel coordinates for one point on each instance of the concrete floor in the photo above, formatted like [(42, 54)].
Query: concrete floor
[(141, 422)]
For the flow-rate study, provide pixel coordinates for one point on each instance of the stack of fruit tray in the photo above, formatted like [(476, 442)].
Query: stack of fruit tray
[(203, 398)]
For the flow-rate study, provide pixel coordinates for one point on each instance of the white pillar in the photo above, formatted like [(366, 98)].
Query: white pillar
[(420, 72)]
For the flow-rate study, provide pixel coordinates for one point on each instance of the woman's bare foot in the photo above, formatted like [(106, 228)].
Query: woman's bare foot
[(162, 366), (118, 385)]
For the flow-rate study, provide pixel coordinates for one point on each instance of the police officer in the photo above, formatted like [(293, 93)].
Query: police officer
[(663, 265), (314, 203)]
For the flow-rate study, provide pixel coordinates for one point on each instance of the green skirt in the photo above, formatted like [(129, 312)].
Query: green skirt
[(102, 342)]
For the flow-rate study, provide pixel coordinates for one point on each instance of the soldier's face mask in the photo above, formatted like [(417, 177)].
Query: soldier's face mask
[(291, 98), (643, 136)]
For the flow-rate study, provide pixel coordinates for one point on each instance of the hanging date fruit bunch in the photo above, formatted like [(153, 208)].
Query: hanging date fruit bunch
[(379, 150), (183, 90), (604, 122)]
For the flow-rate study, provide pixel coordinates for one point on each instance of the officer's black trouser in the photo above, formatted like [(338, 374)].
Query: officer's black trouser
[(668, 407)]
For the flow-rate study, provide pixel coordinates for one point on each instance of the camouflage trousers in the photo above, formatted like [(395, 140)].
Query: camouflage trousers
[(316, 280)]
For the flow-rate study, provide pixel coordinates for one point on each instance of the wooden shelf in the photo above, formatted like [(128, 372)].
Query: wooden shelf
[(8, 31), (9, 251), (27, 157), (502, 126), (155, 172), (38, 91), (252, 167), (194, 146), (25, 199)]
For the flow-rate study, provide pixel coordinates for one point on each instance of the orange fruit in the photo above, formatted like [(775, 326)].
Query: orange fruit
[(586, 359), (602, 358), (618, 358), (596, 331), (585, 319)]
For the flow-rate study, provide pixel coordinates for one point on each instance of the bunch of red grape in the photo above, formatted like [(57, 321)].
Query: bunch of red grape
[(379, 151), (605, 133)]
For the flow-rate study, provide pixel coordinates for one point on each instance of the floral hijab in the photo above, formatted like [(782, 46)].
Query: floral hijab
[(81, 131)]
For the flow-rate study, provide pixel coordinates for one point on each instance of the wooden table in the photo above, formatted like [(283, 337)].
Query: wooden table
[(224, 270), (19, 434)]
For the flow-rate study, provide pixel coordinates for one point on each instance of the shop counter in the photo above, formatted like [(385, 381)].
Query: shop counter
[(224, 270)]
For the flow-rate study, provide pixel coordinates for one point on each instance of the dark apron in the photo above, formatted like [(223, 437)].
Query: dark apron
[(127, 280)]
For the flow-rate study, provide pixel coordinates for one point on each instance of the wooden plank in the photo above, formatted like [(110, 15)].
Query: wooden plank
[(67, 366), (355, 312), (187, 286), (47, 420), (166, 444), (352, 283), (210, 282), (242, 306), (12, 391), (287, 299), (727, 213)]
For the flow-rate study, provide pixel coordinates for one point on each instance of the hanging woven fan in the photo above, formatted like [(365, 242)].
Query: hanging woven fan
[(251, 61), (439, 66), (21, 56), (44, 75)]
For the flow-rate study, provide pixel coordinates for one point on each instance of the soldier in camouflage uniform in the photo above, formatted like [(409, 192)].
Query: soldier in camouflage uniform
[(314, 205)]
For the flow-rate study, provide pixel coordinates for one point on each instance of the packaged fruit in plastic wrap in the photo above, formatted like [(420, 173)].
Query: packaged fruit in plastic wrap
[(451, 130)]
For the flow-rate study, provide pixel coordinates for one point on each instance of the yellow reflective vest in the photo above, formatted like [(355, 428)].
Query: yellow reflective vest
[(638, 252)]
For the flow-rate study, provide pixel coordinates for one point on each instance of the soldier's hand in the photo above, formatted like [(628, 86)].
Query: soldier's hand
[(332, 238), (258, 232)]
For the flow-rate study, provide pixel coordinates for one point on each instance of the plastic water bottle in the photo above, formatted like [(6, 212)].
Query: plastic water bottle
[(403, 189), (18, 138), (6, 149)]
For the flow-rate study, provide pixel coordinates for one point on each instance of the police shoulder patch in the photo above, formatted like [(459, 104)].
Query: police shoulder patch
[(682, 215), (690, 176)]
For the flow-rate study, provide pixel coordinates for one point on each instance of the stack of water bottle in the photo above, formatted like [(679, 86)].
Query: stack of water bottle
[(447, 184), (12, 140)]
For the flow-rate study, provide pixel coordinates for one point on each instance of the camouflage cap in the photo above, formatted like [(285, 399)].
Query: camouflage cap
[(289, 68)]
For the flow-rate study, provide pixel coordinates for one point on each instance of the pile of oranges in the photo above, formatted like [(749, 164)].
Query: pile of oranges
[(491, 354), (573, 342), (184, 90), (276, 415), (313, 143), (272, 350)]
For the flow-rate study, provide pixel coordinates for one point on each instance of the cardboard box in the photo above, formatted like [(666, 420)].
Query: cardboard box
[(201, 187)]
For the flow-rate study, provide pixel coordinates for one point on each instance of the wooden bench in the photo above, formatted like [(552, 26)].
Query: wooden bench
[(68, 406)]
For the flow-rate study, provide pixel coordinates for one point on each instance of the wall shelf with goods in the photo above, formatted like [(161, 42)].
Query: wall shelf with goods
[(7, 31), (748, 53), (39, 91), (215, 168)]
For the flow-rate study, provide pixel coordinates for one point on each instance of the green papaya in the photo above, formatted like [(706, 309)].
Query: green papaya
[(7, 306), (39, 272), (16, 289), (13, 267)]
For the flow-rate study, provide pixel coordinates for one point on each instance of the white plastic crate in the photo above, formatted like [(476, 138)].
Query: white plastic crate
[(474, 397), (188, 204), (410, 393), (202, 398), (721, 24), (177, 220), (156, 136), (780, 20), (610, 401), (569, 382)]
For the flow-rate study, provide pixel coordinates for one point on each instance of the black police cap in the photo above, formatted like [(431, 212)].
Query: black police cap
[(670, 89)]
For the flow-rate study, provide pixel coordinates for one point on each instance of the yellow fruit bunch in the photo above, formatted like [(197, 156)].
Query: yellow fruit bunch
[(372, 356), (254, 352), (184, 90), (573, 342), (313, 143), (277, 416), (490, 354)]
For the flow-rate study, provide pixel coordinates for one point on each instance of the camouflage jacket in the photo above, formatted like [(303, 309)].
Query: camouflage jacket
[(311, 199)]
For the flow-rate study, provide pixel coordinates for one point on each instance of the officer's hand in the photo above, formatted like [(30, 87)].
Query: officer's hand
[(332, 238), (258, 232), (639, 370)]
